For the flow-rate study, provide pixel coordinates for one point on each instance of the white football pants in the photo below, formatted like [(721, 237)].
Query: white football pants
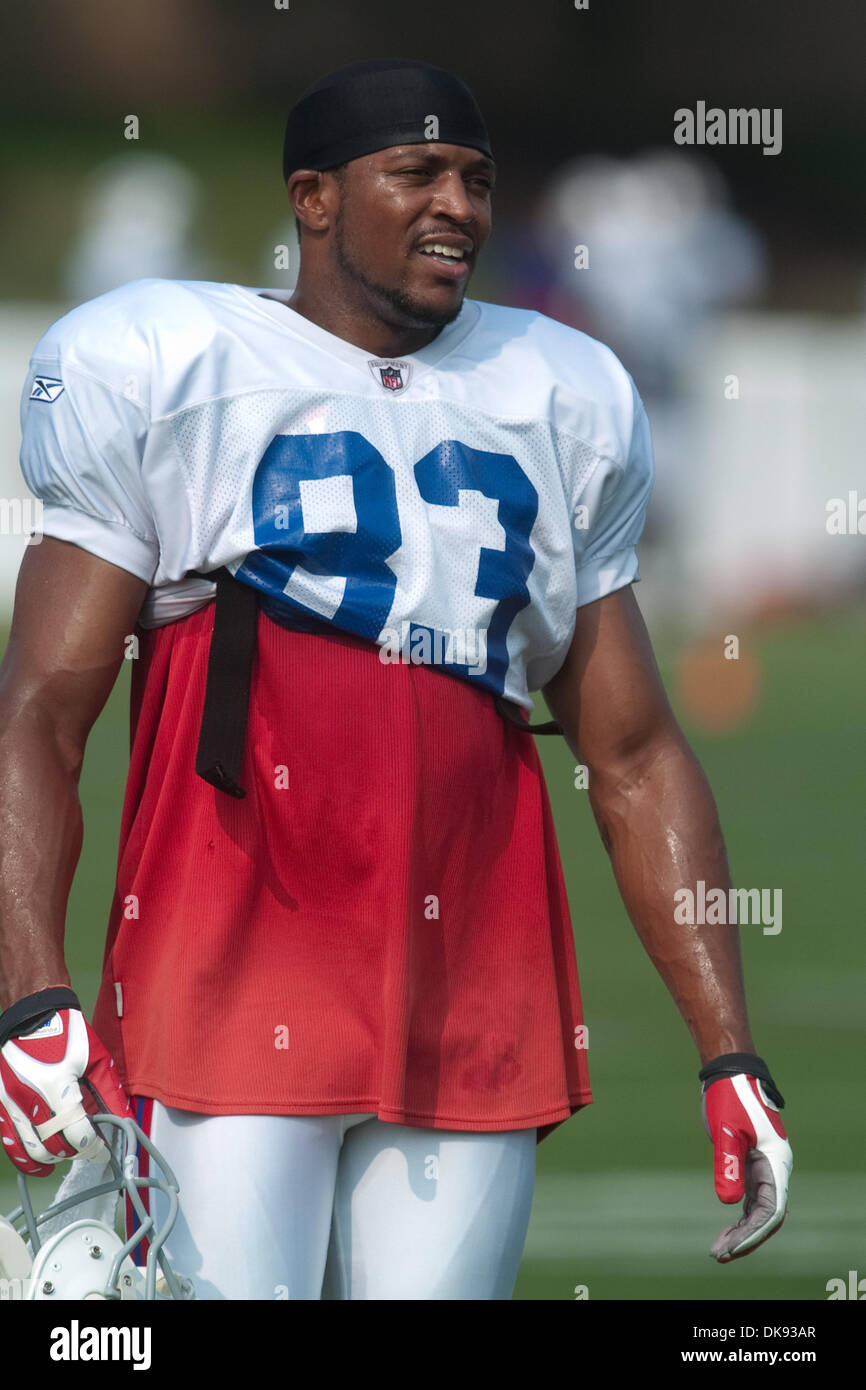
[(344, 1206)]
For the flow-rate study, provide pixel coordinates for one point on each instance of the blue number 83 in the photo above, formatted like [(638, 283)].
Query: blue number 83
[(340, 574)]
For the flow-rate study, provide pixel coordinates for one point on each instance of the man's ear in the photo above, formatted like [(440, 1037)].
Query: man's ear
[(314, 197)]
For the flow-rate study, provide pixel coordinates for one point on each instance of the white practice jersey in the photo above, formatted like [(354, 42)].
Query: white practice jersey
[(459, 503)]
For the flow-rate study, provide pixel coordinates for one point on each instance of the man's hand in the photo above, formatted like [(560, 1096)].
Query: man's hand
[(659, 823), (53, 1072), (752, 1155)]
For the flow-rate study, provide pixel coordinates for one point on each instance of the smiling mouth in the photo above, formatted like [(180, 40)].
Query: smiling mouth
[(450, 259), (439, 249)]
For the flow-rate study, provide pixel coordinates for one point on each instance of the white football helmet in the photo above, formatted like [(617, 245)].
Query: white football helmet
[(87, 1258)]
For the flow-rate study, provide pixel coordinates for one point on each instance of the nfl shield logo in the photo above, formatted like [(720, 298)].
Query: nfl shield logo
[(392, 375)]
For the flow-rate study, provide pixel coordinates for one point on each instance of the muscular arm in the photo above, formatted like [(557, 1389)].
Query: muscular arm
[(655, 812), (72, 612)]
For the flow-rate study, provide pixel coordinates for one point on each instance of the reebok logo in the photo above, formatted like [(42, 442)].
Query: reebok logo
[(46, 388)]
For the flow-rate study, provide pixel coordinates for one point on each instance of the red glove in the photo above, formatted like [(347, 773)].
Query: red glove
[(752, 1155), (54, 1072)]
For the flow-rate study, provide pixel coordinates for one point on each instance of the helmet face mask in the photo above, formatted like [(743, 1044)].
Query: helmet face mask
[(85, 1258)]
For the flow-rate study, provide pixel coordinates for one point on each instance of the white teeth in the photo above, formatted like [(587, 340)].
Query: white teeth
[(437, 250)]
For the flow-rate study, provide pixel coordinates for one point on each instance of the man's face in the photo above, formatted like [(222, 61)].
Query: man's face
[(395, 205)]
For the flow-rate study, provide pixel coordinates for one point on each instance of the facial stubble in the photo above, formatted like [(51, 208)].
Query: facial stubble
[(405, 310)]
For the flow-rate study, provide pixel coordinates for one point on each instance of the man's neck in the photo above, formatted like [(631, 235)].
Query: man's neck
[(361, 329)]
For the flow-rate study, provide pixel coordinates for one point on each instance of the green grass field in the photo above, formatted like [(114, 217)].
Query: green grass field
[(625, 1203)]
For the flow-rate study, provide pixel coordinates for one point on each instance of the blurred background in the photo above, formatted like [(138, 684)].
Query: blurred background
[(732, 284)]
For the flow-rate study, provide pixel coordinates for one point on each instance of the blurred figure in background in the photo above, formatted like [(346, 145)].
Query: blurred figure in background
[(641, 253), (664, 251), (138, 214)]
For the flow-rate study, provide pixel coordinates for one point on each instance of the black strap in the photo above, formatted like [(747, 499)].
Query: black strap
[(511, 714), (739, 1064), (220, 755), (28, 1013)]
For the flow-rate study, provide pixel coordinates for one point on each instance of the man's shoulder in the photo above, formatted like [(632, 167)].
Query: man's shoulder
[(117, 331), (589, 388)]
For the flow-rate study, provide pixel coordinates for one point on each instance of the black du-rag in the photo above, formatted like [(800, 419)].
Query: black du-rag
[(370, 106)]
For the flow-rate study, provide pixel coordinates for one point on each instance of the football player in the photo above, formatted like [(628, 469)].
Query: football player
[(342, 536)]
